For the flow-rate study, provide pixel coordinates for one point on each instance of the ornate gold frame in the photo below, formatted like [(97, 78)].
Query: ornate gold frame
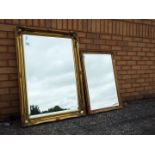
[(86, 84), (26, 121)]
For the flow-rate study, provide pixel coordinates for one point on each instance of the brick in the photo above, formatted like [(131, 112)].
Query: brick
[(138, 39), (3, 34), (141, 44), (8, 84), (15, 103), (70, 24), (106, 26), (10, 111), (4, 70), (14, 90), (126, 57), (98, 41), (4, 104), (150, 45), (8, 21), (118, 28), (121, 28), (116, 37), (12, 63), (150, 54), (3, 48), (131, 62), (13, 76), (121, 63), (3, 63), (93, 26), (4, 91), (29, 22), (22, 22), (116, 48), (4, 77), (98, 26), (82, 46), (7, 56), (2, 21), (16, 21), (136, 67), (93, 35), (124, 29), (84, 25), (35, 22), (137, 49), (141, 53), (132, 54), (144, 58), (144, 49), (140, 80), (86, 41), (141, 62), (104, 47), (81, 35), (89, 25), (119, 53), (110, 26), (11, 35), (131, 72), (114, 26), (12, 49), (75, 24), (144, 67), (126, 67), (127, 85), (7, 41), (92, 46), (112, 42), (79, 24), (106, 37), (42, 22), (127, 38), (132, 44)]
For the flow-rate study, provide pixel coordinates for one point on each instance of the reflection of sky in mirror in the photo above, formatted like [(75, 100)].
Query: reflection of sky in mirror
[(101, 82), (50, 72)]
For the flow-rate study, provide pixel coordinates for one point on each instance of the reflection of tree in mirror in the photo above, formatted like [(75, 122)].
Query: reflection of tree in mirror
[(35, 109)]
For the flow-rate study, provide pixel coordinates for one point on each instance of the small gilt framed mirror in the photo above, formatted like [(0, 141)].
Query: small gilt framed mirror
[(101, 88), (49, 76)]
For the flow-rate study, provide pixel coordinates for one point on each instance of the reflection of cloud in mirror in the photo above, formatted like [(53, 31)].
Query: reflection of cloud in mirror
[(101, 82), (50, 72)]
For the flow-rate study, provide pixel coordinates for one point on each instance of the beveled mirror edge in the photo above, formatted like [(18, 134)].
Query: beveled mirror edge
[(26, 121), (82, 52)]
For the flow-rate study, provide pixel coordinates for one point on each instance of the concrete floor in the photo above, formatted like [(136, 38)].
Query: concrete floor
[(134, 119)]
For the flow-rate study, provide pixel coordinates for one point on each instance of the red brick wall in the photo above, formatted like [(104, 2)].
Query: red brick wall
[(131, 41)]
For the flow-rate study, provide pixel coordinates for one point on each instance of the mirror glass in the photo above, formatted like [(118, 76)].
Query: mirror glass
[(101, 81), (50, 75)]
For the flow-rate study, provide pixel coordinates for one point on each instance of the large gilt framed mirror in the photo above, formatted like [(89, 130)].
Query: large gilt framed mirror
[(49, 76), (101, 88)]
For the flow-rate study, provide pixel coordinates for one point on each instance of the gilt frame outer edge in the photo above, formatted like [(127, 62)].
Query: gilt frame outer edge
[(89, 111), (26, 121)]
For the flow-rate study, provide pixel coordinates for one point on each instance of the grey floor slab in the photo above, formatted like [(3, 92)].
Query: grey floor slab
[(134, 119)]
